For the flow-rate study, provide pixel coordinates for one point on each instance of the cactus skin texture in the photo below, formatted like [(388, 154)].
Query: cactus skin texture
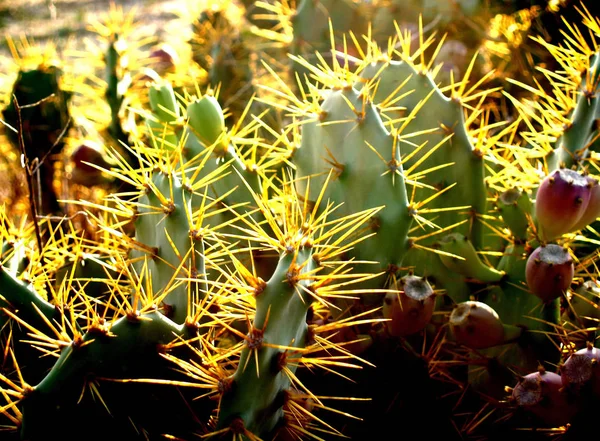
[(253, 400), (258, 385)]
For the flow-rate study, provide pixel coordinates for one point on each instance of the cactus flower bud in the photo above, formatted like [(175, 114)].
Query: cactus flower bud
[(163, 102), (206, 119)]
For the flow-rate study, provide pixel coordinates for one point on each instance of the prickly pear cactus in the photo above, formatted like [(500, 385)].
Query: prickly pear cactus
[(40, 114)]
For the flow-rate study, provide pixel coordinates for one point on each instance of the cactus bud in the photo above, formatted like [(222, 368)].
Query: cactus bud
[(206, 119), (163, 102), (549, 271), (411, 308), (468, 262)]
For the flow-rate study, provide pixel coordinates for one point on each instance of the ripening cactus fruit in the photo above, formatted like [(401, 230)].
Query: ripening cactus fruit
[(581, 371), (549, 271), (411, 308), (542, 394), (476, 325), (562, 203)]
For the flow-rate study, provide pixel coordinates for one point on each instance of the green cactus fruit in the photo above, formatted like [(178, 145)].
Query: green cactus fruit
[(584, 305), (409, 309), (466, 262)]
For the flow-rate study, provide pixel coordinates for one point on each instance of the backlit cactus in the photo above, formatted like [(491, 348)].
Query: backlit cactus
[(260, 239)]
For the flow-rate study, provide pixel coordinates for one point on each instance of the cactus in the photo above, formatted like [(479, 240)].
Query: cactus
[(40, 114), (389, 219)]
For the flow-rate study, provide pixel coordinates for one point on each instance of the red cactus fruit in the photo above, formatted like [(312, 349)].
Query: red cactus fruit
[(87, 155), (476, 325), (549, 271), (592, 210), (411, 308), (542, 394), (163, 59), (581, 371), (561, 201)]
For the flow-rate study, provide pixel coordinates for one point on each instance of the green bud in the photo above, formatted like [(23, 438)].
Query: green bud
[(163, 102), (206, 119)]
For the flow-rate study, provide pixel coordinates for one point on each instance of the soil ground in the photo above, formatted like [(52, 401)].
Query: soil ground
[(60, 19)]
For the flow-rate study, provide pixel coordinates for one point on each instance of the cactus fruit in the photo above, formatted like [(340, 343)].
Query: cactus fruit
[(411, 308), (89, 159), (581, 371), (583, 305), (562, 201), (163, 59), (378, 183), (206, 119), (542, 394), (478, 326), (549, 271)]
